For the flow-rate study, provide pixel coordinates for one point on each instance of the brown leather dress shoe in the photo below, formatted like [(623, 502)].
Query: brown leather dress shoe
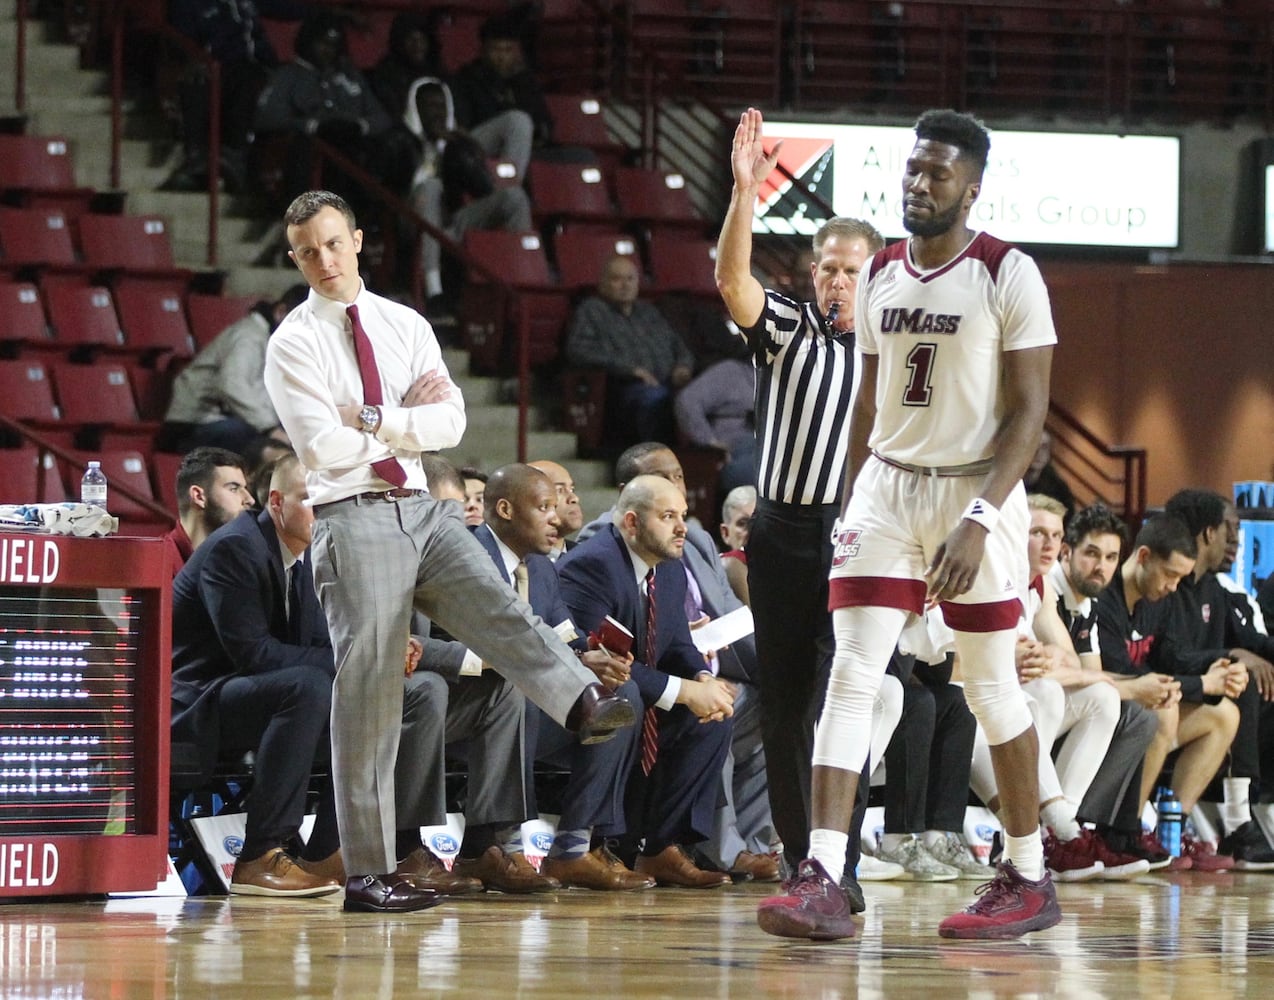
[(761, 867), (392, 893), (427, 871), (504, 872), (597, 714), (672, 866), (595, 871), (331, 867), (276, 873)]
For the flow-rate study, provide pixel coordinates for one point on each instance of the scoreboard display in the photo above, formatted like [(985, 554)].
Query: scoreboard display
[(84, 703)]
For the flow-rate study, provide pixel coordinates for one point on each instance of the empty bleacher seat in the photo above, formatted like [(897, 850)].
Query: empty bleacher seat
[(25, 477), (210, 314)]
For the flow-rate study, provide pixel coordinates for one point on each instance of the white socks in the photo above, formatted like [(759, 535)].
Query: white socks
[(1059, 816), (828, 848), (1235, 810), (1027, 855)]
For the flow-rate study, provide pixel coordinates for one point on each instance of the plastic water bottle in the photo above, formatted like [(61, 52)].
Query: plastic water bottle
[(1171, 820), (93, 486)]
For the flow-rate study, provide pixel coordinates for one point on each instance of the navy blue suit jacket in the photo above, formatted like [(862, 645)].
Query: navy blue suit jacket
[(598, 579), (543, 592), (229, 619)]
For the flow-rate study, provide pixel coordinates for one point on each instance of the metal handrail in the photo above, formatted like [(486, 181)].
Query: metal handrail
[(1130, 458)]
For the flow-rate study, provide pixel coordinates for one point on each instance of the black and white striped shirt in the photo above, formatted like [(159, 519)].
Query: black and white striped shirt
[(803, 390)]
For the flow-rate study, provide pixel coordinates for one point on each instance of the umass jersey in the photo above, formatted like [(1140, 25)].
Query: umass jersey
[(939, 335)]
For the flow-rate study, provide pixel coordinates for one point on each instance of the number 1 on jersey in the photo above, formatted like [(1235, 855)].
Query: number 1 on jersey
[(920, 362)]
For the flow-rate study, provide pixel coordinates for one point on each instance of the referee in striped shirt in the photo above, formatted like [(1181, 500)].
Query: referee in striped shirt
[(804, 355)]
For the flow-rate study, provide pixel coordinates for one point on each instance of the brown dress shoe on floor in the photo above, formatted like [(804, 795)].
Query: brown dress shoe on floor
[(276, 873), (597, 713), (427, 871), (595, 871), (331, 867), (761, 867), (392, 893), (672, 866), (504, 872)]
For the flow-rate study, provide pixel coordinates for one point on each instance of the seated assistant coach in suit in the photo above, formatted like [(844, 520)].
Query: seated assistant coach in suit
[(685, 739), (521, 527), (252, 670)]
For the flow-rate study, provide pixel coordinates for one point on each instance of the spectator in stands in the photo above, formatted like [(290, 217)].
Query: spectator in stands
[(1042, 476), (230, 31), (452, 188), (498, 99), (643, 357), (412, 52), (736, 520), (321, 94), (212, 490), (716, 410), (252, 670), (570, 515), (475, 484), (1132, 619), (219, 399)]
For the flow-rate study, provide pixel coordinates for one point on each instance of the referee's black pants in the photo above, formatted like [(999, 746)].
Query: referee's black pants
[(789, 557)]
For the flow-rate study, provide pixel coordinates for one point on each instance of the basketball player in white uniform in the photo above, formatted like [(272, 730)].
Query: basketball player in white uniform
[(955, 337)]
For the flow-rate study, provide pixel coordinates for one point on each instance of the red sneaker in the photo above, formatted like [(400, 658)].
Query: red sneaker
[(1007, 907), (1203, 856), (1148, 848), (812, 906), (1072, 860)]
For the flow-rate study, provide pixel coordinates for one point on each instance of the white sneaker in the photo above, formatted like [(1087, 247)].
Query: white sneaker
[(920, 865), (952, 851), (874, 870)]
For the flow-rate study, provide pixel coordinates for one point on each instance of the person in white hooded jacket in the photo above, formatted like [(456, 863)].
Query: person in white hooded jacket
[(452, 187)]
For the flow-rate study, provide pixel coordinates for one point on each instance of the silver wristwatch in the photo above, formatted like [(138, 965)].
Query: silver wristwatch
[(369, 418)]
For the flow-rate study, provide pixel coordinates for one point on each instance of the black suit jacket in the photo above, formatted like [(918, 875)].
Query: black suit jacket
[(229, 619), (598, 579)]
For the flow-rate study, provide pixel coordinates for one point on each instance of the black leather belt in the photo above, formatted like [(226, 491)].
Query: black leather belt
[(392, 496)]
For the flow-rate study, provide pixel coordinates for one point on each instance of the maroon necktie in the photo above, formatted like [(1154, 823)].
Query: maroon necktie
[(387, 468), (650, 721)]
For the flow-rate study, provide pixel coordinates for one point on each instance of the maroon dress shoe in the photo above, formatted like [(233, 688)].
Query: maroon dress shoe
[(672, 866), (392, 893), (428, 872), (597, 714)]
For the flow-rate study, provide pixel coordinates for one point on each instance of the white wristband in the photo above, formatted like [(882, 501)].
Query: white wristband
[(981, 512)]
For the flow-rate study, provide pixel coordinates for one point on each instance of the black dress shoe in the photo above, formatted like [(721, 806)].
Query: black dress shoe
[(392, 893), (597, 714)]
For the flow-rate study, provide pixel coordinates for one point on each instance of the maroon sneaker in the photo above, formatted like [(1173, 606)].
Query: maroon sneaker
[(1072, 860), (1007, 907), (1116, 866), (812, 906), (1203, 856), (1148, 848)]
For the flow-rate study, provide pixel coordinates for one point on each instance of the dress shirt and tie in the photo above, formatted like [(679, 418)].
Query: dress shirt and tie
[(412, 553)]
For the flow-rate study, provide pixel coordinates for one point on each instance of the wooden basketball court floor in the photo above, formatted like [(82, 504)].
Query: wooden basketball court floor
[(1189, 935)]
